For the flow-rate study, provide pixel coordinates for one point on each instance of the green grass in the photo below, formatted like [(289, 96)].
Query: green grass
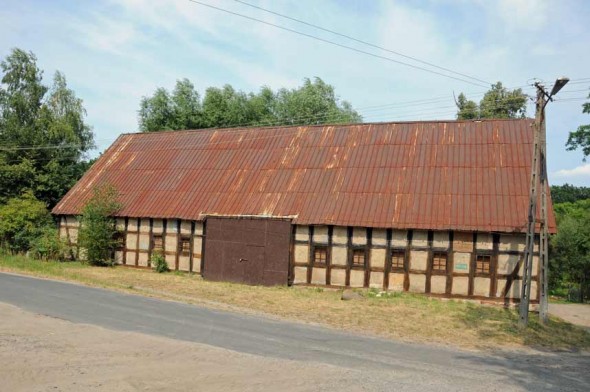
[(404, 316)]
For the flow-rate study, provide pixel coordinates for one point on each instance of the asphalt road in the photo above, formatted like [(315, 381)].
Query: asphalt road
[(424, 366)]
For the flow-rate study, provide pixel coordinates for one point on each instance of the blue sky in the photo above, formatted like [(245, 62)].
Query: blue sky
[(115, 52)]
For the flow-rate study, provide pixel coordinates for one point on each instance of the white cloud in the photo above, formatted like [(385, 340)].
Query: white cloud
[(582, 171)]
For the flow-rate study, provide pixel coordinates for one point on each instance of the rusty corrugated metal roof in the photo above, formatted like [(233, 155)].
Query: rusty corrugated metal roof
[(460, 175)]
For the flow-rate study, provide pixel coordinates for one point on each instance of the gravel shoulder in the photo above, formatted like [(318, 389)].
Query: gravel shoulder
[(577, 314)]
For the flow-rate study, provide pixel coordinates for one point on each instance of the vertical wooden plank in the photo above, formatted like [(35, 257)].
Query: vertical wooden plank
[(137, 242), (450, 264), (494, 265), (203, 239), (472, 265), (178, 242), (368, 242), (407, 260), (429, 262), (387, 269), (310, 262), (348, 254), (329, 256), (192, 244), (125, 243), (149, 261)]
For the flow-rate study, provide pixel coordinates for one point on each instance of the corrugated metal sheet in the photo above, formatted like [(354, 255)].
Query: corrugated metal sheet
[(460, 175)]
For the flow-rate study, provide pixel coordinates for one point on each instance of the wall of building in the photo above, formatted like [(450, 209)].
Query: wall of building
[(471, 265), (326, 255), (181, 242)]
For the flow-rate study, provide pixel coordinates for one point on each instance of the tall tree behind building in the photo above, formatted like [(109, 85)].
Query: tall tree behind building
[(498, 102), (315, 102), (43, 133)]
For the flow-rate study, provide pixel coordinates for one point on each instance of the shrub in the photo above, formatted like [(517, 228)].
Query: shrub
[(22, 220), (49, 246), (97, 230), (159, 262)]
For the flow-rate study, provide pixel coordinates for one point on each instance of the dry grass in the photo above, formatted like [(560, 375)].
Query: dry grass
[(394, 315)]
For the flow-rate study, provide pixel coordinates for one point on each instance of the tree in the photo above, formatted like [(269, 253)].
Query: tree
[(313, 103), (571, 250), (22, 220), (580, 138), (97, 231), (498, 102), (569, 193), (43, 134)]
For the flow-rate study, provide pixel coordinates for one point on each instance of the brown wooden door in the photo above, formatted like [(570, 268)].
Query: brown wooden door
[(247, 250)]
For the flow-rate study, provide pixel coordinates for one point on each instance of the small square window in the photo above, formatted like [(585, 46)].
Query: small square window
[(185, 245), (482, 265), (358, 258), (158, 242), (397, 259), (439, 261), (320, 255)]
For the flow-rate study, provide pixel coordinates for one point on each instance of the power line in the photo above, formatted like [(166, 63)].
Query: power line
[(362, 42), (335, 43)]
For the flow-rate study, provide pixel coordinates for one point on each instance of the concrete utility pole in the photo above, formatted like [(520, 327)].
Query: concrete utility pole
[(538, 177)]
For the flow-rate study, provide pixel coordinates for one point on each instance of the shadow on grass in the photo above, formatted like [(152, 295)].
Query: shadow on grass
[(492, 323)]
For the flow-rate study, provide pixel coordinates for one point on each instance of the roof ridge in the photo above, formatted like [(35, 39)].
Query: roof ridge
[(268, 127)]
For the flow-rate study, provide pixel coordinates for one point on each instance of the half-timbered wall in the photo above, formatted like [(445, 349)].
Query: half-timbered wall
[(181, 242), (439, 263)]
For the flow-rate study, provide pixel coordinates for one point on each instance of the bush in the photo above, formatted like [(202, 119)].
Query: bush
[(97, 231), (49, 246), (159, 262), (22, 221)]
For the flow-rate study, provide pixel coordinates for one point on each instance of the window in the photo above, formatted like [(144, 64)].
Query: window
[(158, 242), (439, 261), (358, 258), (482, 265), (320, 255), (397, 259), (185, 245)]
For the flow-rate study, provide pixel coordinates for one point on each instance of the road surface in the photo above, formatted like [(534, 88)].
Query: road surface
[(399, 366)]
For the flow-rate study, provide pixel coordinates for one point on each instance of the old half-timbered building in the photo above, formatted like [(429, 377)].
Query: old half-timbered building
[(434, 207)]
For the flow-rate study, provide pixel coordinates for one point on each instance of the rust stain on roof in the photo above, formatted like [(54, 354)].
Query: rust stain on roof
[(439, 175)]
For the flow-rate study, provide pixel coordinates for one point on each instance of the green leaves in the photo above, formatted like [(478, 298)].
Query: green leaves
[(97, 228), (43, 135), (22, 220), (580, 138), (498, 102), (313, 103)]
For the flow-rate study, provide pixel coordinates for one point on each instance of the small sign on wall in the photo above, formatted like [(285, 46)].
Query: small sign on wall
[(461, 266)]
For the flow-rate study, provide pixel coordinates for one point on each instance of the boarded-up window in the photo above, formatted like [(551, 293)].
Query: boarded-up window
[(320, 255), (397, 259), (358, 258), (185, 245), (482, 265), (439, 261), (157, 242)]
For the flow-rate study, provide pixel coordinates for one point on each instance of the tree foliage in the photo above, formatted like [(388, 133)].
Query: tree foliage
[(580, 138), (569, 193), (498, 102), (22, 221), (97, 231), (43, 134), (570, 247), (315, 102)]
